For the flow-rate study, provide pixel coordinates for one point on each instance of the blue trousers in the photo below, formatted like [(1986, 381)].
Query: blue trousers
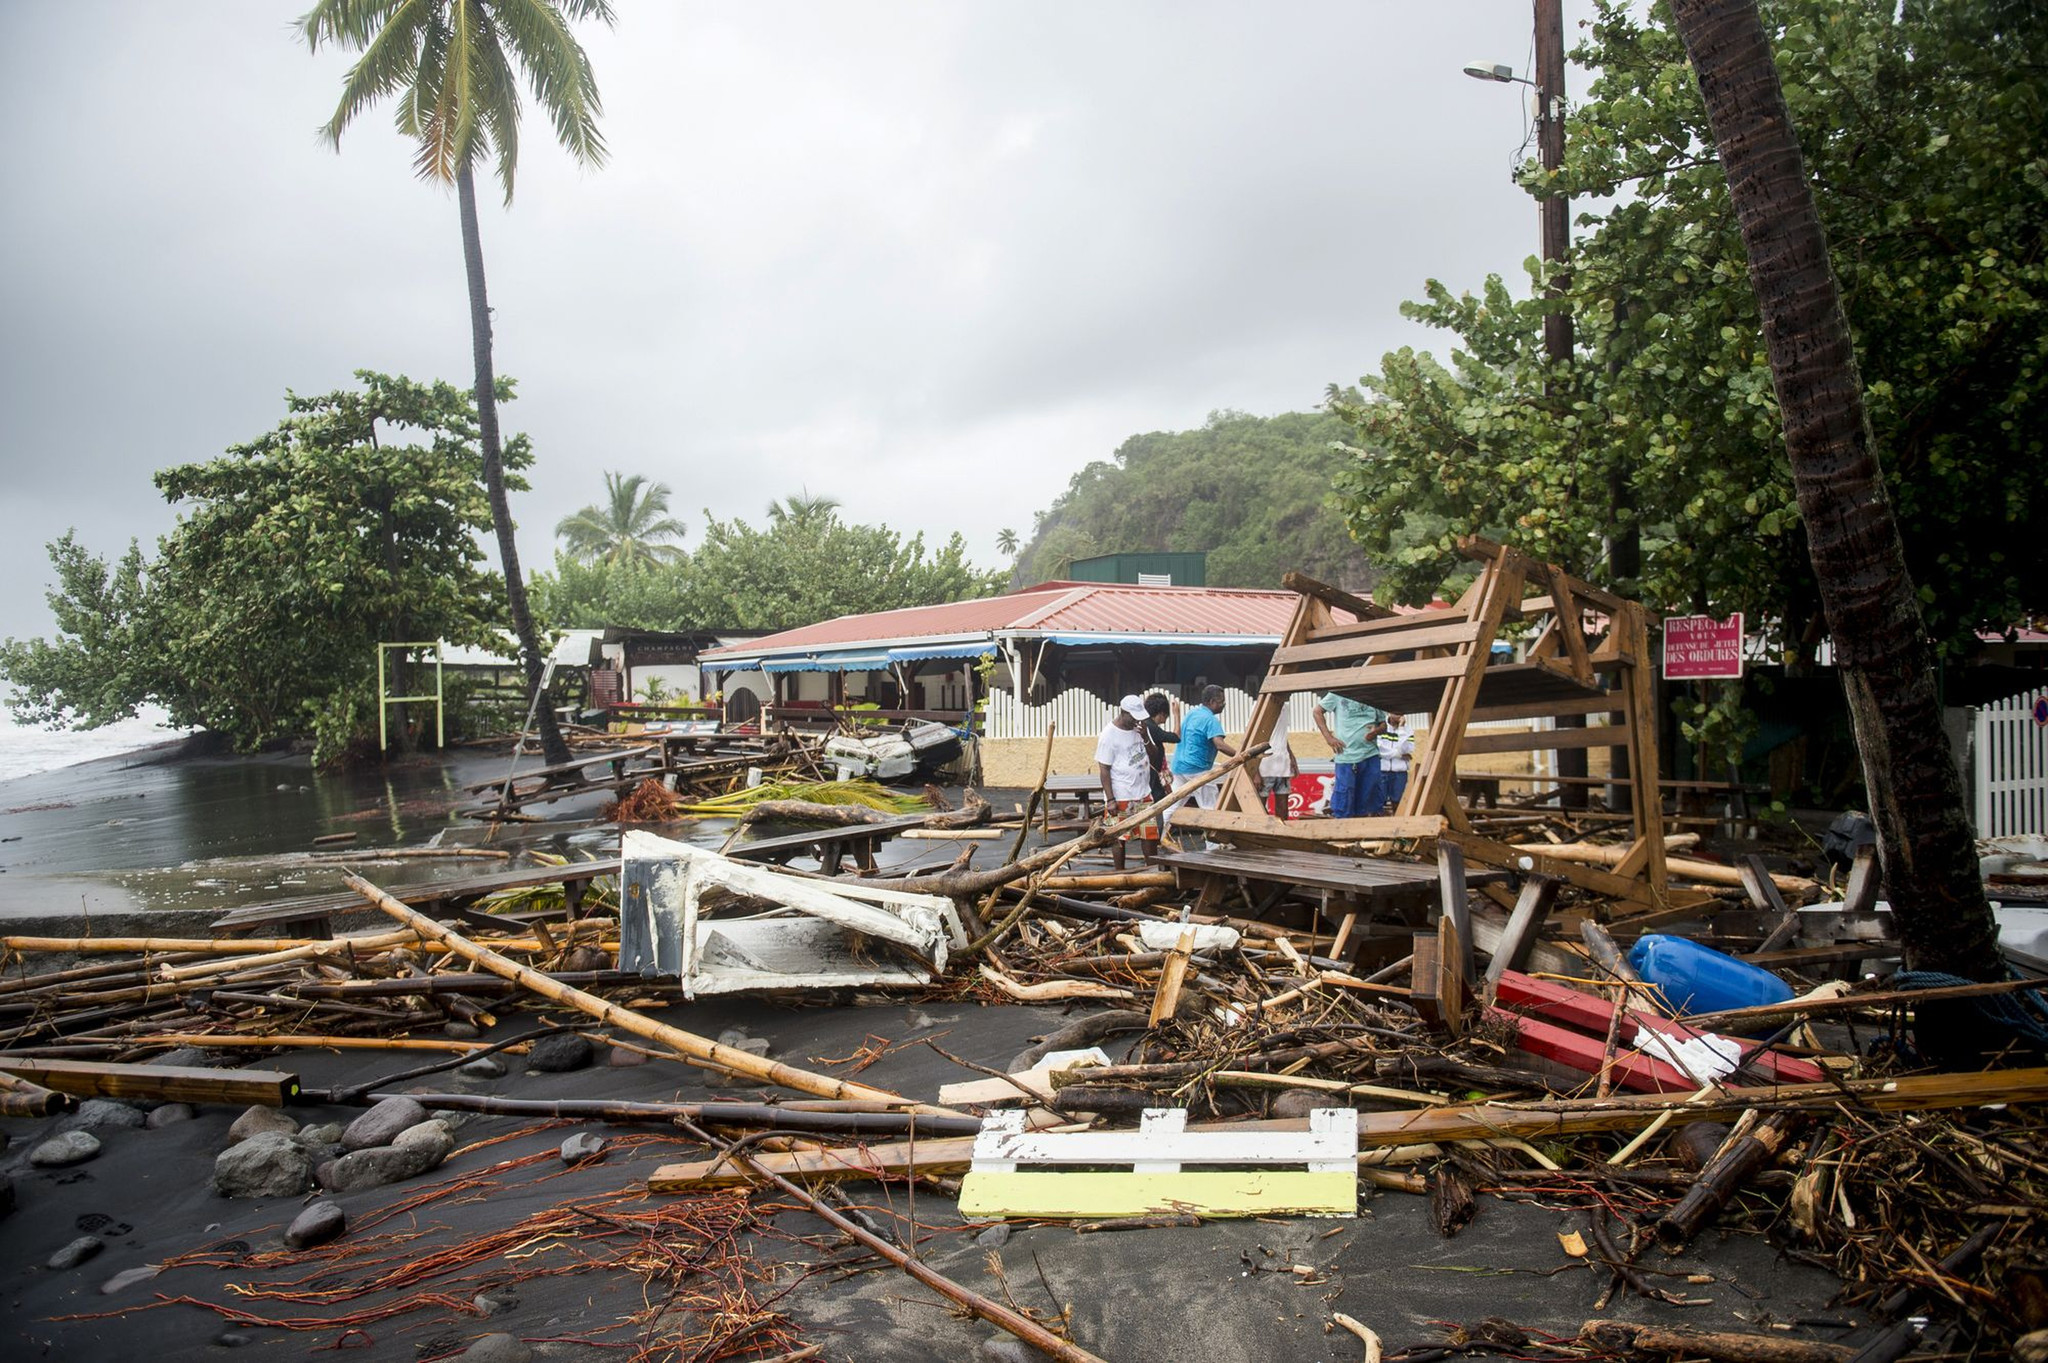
[(1396, 785), (1355, 784)]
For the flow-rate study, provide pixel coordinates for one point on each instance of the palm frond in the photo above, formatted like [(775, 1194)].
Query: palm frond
[(387, 65), (558, 70)]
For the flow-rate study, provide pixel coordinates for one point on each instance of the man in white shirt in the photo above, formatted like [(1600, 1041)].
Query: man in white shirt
[(1122, 764)]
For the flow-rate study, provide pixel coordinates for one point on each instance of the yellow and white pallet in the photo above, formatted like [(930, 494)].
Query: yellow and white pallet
[(1019, 1172)]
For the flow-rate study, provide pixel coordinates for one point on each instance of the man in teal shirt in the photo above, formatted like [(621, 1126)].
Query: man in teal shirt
[(1201, 738), (1352, 729)]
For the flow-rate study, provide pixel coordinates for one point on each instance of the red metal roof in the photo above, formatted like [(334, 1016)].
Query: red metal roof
[(1049, 608)]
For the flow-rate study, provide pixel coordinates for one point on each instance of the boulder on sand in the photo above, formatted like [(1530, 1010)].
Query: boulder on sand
[(271, 1164), (382, 1124), (416, 1150)]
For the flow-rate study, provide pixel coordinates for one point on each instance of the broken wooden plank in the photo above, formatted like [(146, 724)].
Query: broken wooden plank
[(1525, 923), (156, 1083)]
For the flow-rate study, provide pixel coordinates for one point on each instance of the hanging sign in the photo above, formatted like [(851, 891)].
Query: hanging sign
[(1700, 648)]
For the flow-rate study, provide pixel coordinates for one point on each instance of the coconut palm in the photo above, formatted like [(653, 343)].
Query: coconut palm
[(1859, 562), (627, 529), (455, 67), (801, 507), (1006, 542)]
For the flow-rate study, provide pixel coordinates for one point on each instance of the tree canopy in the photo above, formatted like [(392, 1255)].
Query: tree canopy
[(352, 523), (631, 525), (804, 564), (1252, 492), (1925, 129)]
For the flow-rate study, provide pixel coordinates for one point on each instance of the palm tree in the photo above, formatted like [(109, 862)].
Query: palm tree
[(802, 508), (455, 67), (1873, 613), (1006, 542), (627, 529)]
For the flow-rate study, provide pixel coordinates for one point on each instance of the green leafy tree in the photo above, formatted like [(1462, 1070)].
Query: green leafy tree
[(353, 523), (801, 508), (455, 68), (629, 527), (1925, 129), (802, 568), (1251, 492), (596, 594)]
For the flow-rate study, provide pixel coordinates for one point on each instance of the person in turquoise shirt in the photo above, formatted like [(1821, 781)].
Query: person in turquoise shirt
[(1201, 738), (1352, 729)]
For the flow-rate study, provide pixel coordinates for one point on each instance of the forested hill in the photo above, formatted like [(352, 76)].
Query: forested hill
[(1253, 492)]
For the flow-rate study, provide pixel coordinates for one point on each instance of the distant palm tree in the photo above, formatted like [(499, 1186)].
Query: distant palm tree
[(1006, 542), (801, 507), (627, 529), (456, 67)]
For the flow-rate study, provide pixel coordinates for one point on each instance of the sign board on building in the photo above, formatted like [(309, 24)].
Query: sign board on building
[(1699, 647)]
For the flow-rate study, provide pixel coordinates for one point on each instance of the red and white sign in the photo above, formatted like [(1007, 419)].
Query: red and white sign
[(1699, 647)]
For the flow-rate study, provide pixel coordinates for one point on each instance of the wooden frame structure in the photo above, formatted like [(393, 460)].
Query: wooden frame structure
[(1589, 655)]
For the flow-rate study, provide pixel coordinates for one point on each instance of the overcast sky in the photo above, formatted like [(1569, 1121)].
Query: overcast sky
[(928, 259)]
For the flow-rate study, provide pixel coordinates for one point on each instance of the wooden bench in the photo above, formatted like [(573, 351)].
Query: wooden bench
[(1085, 792), (828, 845), (312, 915)]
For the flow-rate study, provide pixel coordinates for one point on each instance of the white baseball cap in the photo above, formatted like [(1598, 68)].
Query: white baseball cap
[(1132, 706)]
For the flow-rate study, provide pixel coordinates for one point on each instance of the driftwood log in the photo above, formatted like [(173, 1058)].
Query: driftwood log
[(973, 812), (1723, 1346)]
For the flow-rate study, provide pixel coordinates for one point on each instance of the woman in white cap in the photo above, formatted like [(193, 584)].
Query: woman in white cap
[(1123, 766)]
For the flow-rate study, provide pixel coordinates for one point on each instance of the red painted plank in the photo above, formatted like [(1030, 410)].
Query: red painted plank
[(1556, 1003)]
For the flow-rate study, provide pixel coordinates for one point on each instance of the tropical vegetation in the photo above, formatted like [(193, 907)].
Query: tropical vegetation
[(1924, 128), (455, 68), (1253, 492), (353, 523), (803, 564), (631, 526)]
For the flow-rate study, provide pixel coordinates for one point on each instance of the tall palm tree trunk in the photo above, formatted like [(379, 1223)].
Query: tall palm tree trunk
[(1873, 614), (553, 749)]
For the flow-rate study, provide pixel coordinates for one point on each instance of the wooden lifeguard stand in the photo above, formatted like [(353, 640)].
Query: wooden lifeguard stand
[(1589, 656)]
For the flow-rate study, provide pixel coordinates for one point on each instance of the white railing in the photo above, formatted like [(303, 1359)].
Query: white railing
[(2011, 752)]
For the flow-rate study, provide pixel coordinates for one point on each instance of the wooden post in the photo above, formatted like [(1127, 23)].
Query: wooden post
[(1524, 924), (1457, 910)]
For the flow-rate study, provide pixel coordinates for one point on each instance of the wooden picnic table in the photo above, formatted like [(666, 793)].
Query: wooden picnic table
[(1085, 791), (828, 845), (312, 915)]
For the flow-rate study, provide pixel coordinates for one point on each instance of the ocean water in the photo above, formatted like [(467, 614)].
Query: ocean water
[(25, 751)]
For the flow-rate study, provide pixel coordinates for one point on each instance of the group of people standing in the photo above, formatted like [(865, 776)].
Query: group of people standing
[(1372, 750)]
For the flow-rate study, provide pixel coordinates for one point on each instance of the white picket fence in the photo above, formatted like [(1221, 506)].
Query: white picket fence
[(2011, 760), (1080, 714)]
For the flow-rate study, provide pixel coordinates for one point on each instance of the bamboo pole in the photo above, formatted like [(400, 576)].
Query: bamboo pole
[(995, 1313), (625, 1019), (295, 1040), (24, 1098), (1705, 872)]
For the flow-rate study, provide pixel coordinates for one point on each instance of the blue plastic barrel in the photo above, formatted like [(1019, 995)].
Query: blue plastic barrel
[(1700, 979)]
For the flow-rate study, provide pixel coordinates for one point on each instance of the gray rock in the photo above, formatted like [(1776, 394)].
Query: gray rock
[(740, 1041), (583, 1147), (323, 1135), (68, 1148), (76, 1253), (559, 1053), (103, 1112), (1006, 1349), (231, 1339), (459, 1031), (183, 1058), (271, 1164), (417, 1149), (316, 1225), (483, 1067), (382, 1124), (995, 1237), (257, 1120), (619, 1058), (495, 1302), (498, 1349), (168, 1113), (127, 1278)]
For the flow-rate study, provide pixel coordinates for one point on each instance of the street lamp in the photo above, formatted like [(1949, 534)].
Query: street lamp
[(1499, 71)]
